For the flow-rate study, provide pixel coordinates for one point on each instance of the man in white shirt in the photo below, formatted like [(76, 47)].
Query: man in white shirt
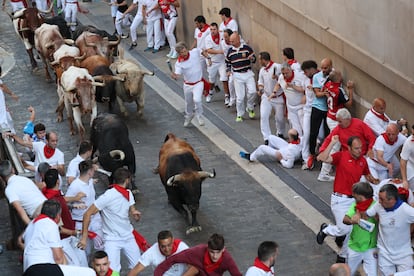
[(377, 119), (268, 76), (84, 153), (84, 184), (228, 21), (152, 15), (41, 238), (394, 239), (166, 246), (385, 164), (21, 192), (265, 261), (138, 19), (115, 206), (278, 150), (216, 65), (188, 65), (293, 84), (407, 162)]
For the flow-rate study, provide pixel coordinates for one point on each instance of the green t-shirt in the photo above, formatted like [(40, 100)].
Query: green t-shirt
[(114, 273), (361, 240)]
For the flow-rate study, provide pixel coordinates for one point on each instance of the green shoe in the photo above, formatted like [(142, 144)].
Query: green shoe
[(251, 113), (239, 119)]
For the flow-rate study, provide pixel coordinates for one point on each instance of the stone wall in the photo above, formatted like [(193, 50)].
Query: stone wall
[(369, 41)]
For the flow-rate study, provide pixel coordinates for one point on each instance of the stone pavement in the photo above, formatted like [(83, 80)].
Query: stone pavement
[(234, 203)]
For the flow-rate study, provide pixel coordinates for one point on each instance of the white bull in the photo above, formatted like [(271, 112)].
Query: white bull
[(78, 92), (132, 88)]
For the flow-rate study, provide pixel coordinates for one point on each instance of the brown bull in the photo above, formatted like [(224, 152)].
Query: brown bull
[(25, 22), (181, 174), (94, 44)]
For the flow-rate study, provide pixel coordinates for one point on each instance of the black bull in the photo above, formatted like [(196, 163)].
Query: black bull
[(110, 133), (182, 176)]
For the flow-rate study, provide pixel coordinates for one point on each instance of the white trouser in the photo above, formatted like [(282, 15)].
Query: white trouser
[(368, 258), (339, 207), (70, 270), (73, 254), (114, 8), (193, 99), (154, 34), (17, 6), (269, 153), (119, 22), (388, 267), (41, 5), (134, 26), (71, 11), (232, 90), (306, 132), (326, 167), (216, 68), (128, 247), (169, 27), (295, 117), (242, 82), (266, 108)]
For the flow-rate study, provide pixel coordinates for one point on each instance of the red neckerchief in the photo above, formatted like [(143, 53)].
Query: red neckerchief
[(404, 193), (205, 28), (227, 21), (182, 59), (42, 216), (379, 115), (291, 78), (164, 7), (257, 263), (48, 151), (387, 139), (269, 65), (216, 38), (176, 243), (291, 61), (363, 205), (295, 142), (209, 266), (140, 240), (109, 273), (50, 193), (123, 191)]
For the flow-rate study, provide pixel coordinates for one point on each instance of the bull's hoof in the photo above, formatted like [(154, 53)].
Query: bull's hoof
[(49, 80), (59, 119), (156, 170), (135, 191), (193, 229)]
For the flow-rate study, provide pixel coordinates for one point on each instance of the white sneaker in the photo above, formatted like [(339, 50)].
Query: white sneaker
[(226, 100), (326, 178), (174, 55), (187, 120), (200, 120), (209, 98)]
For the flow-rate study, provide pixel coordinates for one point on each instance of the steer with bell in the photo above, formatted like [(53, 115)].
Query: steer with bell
[(181, 174)]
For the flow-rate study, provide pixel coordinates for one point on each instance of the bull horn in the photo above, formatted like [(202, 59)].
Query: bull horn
[(55, 62), (114, 153), (173, 179), (48, 10), (94, 83), (69, 42), (118, 78), (98, 78), (69, 24), (204, 174), (148, 73), (9, 14), (81, 57), (24, 29), (114, 43)]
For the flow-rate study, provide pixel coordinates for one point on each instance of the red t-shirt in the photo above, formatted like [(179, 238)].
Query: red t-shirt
[(356, 128), (336, 99), (67, 220), (348, 171)]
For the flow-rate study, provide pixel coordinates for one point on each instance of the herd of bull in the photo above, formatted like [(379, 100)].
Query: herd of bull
[(87, 71)]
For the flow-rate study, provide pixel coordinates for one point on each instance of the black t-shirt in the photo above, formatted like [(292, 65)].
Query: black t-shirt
[(122, 8)]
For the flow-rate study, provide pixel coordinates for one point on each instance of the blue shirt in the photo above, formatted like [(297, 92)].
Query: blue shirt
[(318, 81)]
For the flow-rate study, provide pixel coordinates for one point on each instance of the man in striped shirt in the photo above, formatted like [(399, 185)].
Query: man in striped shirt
[(238, 60)]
